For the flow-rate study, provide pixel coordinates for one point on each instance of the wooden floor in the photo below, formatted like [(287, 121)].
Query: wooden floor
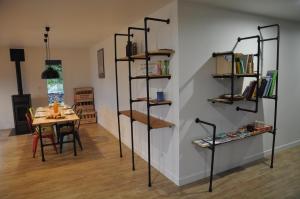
[(98, 172)]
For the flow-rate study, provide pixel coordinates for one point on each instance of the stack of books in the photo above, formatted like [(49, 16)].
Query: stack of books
[(250, 91), (243, 64), (266, 86)]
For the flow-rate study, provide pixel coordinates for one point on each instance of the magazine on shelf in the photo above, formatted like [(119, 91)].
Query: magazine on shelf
[(221, 138)]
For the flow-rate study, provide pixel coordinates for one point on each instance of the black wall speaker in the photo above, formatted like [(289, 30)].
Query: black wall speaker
[(17, 55)]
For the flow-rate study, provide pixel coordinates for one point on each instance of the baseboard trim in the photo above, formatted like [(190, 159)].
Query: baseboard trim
[(203, 174)]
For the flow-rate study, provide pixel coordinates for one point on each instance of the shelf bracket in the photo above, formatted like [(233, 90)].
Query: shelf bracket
[(197, 120)]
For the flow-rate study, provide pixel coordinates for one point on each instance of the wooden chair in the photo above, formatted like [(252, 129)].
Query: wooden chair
[(46, 133), (74, 106), (67, 124), (68, 130)]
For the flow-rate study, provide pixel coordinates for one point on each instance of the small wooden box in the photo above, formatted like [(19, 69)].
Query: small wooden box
[(84, 98), (224, 65)]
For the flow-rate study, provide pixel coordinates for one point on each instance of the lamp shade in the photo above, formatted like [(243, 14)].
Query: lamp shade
[(50, 73)]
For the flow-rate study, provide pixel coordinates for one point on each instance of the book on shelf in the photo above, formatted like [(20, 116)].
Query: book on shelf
[(250, 64), (245, 93), (267, 86), (243, 64), (262, 87), (273, 75), (250, 90)]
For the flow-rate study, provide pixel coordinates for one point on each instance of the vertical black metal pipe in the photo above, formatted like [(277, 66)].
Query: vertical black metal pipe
[(19, 77), (117, 95), (212, 160), (74, 140), (257, 73), (41, 143), (276, 96), (212, 147), (148, 103), (130, 104), (232, 76)]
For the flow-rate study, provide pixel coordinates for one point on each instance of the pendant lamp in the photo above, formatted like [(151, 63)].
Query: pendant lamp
[(49, 73)]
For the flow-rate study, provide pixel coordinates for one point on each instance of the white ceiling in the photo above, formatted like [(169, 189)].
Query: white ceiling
[(285, 9), (73, 22), (76, 23)]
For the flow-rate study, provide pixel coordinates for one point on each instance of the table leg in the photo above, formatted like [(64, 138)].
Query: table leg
[(74, 140), (41, 143)]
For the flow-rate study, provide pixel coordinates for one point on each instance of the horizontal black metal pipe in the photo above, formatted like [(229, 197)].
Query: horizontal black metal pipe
[(121, 34), (140, 58), (273, 25), (246, 110), (269, 39), (203, 122), (156, 19), (169, 103), (251, 37), (122, 60), (136, 28), (153, 77), (136, 100), (222, 53)]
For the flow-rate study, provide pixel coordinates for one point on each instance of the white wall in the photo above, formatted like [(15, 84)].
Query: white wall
[(164, 142), (202, 31), (76, 71)]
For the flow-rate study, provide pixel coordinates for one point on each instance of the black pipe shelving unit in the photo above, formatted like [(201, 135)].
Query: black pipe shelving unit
[(134, 115), (211, 145), (274, 97), (233, 76)]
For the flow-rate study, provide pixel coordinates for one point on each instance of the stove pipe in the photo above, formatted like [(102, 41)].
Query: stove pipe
[(17, 55)]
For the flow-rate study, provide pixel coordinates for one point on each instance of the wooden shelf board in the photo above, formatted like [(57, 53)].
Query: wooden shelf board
[(155, 123), (160, 52), (88, 112), (226, 100), (255, 133), (153, 77), (84, 100), (220, 100), (123, 59), (155, 102), (83, 89), (235, 75)]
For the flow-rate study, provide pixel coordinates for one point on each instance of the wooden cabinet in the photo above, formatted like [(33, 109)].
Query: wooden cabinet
[(84, 98)]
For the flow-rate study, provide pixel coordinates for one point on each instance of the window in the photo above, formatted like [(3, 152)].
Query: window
[(55, 86)]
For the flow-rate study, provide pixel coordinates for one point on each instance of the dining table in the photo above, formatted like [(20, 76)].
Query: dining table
[(45, 116)]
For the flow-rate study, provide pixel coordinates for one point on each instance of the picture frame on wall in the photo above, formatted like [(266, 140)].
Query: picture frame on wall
[(100, 58)]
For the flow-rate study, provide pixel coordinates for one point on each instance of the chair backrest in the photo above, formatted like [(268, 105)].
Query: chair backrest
[(79, 114), (31, 111), (29, 122), (74, 106)]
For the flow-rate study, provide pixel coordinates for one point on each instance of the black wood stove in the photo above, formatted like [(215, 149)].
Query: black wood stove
[(21, 102)]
